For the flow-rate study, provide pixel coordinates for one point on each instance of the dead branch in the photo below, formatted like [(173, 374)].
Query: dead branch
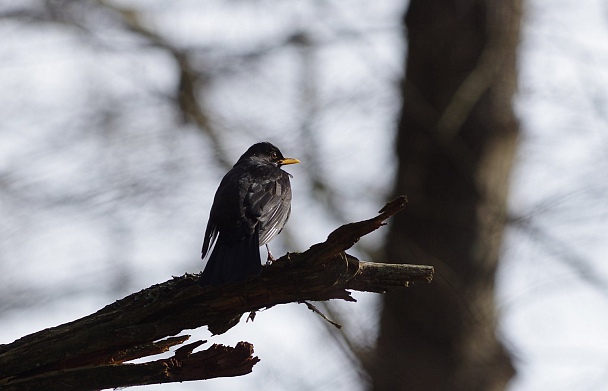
[(89, 353), (216, 361)]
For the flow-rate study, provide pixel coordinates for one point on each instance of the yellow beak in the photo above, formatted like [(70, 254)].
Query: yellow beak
[(288, 160)]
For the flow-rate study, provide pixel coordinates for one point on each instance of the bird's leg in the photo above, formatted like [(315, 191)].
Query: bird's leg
[(270, 259)]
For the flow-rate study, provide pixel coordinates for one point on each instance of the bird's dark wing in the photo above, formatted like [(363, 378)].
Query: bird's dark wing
[(210, 238), (269, 204), (224, 214)]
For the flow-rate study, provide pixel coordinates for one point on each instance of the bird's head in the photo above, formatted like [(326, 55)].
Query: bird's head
[(266, 153)]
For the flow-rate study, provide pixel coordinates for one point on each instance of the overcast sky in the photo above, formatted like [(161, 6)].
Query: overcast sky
[(88, 213)]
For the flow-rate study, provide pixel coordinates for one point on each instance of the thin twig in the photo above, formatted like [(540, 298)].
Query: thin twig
[(322, 315)]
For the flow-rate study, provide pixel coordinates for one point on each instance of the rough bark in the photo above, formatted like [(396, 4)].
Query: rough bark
[(216, 361), (89, 353), (456, 145)]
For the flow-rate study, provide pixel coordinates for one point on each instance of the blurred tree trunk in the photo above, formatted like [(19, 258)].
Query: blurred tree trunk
[(456, 144)]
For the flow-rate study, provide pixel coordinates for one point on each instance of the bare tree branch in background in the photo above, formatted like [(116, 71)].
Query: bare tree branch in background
[(138, 114)]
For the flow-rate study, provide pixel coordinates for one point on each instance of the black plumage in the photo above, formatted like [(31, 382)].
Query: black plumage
[(251, 206)]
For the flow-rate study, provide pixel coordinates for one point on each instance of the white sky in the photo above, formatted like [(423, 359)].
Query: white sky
[(553, 319)]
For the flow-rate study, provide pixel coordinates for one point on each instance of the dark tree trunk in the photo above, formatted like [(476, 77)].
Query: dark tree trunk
[(456, 145)]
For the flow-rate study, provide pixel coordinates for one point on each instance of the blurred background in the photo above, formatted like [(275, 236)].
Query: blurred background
[(119, 118)]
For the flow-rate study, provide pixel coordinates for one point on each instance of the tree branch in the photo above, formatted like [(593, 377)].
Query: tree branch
[(216, 361), (95, 346)]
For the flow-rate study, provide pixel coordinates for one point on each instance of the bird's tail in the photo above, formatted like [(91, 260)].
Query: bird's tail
[(232, 262)]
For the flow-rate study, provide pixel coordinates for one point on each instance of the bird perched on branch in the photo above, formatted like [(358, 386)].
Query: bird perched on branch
[(251, 206)]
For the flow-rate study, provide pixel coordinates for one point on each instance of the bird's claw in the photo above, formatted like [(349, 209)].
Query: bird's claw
[(270, 259)]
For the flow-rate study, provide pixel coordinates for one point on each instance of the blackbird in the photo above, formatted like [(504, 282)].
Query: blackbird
[(251, 206)]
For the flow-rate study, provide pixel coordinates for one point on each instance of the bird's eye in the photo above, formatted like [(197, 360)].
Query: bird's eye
[(273, 155)]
